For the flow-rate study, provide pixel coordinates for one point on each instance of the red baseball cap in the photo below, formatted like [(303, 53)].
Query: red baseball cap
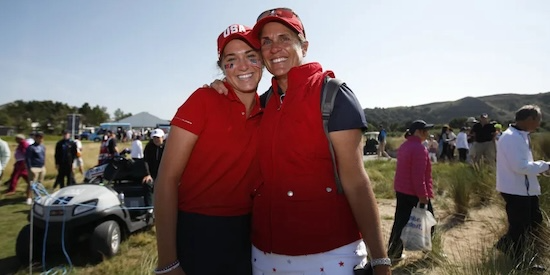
[(237, 31), (285, 16)]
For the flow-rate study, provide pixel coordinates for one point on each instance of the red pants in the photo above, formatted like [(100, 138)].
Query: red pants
[(19, 170)]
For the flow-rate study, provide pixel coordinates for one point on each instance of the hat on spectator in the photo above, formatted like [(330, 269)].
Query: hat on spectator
[(471, 120), (19, 136), (157, 133), (419, 125), (484, 115), (38, 134)]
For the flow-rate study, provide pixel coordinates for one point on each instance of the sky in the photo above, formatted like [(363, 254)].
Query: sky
[(149, 56)]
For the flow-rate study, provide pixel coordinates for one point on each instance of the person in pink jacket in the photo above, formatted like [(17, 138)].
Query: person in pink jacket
[(412, 182)]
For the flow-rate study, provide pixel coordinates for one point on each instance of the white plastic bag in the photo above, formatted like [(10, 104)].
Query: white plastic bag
[(416, 235)]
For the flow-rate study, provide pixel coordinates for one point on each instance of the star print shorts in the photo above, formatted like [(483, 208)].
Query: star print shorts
[(339, 261)]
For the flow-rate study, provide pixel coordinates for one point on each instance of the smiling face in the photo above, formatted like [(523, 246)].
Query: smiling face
[(242, 66), (282, 49)]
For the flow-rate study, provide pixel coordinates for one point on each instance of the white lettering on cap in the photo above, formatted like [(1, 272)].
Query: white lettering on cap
[(233, 29)]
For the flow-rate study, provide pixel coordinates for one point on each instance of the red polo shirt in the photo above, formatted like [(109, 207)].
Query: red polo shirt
[(222, 169), (297, 209)]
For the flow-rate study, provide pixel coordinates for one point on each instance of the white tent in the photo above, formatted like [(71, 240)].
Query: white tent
[(144, 120)]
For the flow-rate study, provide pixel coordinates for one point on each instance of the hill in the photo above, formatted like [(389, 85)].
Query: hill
[(500, 107)]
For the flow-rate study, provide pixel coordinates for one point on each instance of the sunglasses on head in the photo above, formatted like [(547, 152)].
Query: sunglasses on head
[(279, 12), (283, 13)]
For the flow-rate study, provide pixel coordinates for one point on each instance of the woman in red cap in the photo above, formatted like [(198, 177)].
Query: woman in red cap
[(203, 190), (300, 223)]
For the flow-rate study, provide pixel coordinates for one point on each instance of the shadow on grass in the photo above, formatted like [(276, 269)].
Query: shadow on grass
[(12, 201), (452, 221), (55, 261), (9, 265)]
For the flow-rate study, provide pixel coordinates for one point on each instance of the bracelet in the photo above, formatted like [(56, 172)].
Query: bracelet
[(380, 261), (168, 268)]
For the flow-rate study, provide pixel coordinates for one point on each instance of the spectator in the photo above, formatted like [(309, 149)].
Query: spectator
[(5, 155), (152, 153), (451, 143), (203, 189), (432, 146), (129, 135), (137, 148), (484, 146), (104, 155), (412, 183), (382, 136), (65, 154), (78, 162), (462, 144), (112, 148), (19, 168), (35, 160), (516, 177), (444, 143)]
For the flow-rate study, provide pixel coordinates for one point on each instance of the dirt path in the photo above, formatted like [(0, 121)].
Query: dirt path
[(462, 241)]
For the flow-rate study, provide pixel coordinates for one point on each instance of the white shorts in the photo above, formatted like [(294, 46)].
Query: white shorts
[(339, 261), (78, 162)]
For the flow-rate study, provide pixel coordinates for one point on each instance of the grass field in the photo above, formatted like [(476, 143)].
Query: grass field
[(461, 191)]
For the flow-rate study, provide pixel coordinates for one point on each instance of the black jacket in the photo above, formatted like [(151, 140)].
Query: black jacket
[(65, 152), (152, 155)]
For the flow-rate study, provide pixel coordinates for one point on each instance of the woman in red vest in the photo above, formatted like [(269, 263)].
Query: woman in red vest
[(300, 222), (203, 190)]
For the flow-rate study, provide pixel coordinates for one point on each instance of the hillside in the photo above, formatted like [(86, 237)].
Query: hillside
[(499, 107)]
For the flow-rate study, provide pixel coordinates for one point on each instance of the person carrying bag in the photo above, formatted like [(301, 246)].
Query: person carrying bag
[(416, 235)]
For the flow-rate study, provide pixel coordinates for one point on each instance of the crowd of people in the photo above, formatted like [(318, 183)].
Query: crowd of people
[(30, 159)]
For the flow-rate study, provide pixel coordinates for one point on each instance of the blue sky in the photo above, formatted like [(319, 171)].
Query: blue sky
[(151, 55)]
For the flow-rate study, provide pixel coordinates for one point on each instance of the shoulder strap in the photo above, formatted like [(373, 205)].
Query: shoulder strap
[(331, 86)]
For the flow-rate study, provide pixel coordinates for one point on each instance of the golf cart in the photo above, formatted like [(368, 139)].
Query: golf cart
[(98, 216), (371, 143)]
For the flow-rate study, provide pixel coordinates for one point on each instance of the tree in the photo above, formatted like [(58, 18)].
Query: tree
[(119, 114)]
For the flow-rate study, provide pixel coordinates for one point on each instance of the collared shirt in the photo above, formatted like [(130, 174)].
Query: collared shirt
[(413, 174), (516, 170), (222, 169)]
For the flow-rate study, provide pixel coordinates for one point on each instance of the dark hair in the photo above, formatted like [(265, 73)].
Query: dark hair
[(528, 111)]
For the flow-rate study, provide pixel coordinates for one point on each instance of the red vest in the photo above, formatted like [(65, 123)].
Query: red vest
[(297, 210)]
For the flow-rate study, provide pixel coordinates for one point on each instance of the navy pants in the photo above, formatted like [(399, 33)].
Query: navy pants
[(214, 245)]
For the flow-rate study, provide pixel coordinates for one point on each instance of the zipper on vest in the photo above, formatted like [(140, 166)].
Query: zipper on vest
[(281, 98)]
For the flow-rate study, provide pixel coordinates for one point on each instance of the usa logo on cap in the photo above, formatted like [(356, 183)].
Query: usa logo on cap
[(233, 29)]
